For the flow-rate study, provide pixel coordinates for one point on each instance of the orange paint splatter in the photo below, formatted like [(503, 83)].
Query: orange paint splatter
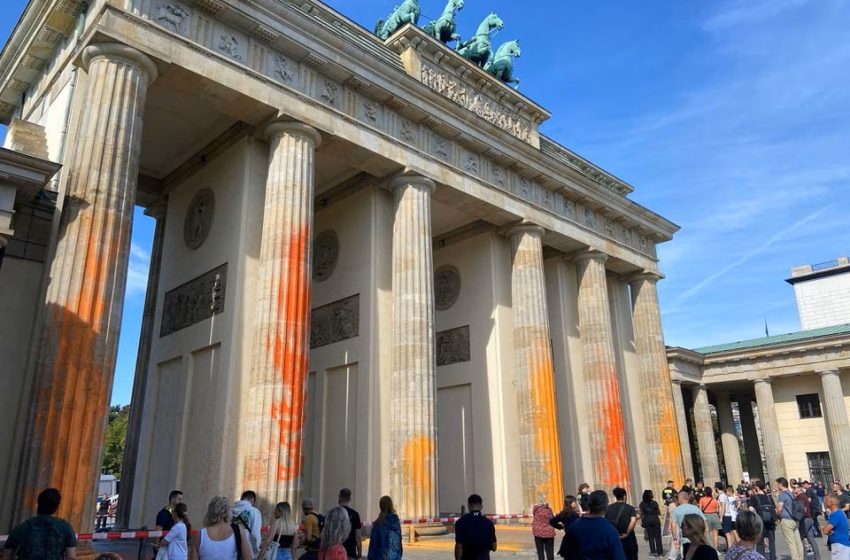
[(418, 453), (546, 438)]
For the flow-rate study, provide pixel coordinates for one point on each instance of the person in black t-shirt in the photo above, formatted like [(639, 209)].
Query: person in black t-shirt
[(164, 520), (624, 518), (475, 535), (354, 543)]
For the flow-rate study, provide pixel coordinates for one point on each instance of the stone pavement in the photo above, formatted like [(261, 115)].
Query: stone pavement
[(515, 541)]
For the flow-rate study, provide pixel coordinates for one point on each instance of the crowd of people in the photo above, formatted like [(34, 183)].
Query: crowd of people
[(695, 517)]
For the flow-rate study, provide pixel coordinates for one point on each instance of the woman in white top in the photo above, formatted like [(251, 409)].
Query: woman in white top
[(177, 539), (219, 539)]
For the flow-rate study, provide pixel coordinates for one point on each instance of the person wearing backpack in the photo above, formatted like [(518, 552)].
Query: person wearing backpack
[(313, 525), (221, 538), (45, 536), (789, 512), (249, 518), (763, 505)]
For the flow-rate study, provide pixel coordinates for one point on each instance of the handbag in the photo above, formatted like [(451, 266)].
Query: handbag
[(271, 551), (162, 553)]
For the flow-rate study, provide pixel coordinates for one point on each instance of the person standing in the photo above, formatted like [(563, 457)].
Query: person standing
[(624, 518), (816, 506), (337, 529), (650, 520), (749, 527), (591, 537), (283, 531), (177, 539), (821, 493), (45, 536), (385, 537), (583, 497), (711, 509), (837, 529), (544, 533), (787, 524), (312, 529), (693, 529), (806, 525), (165, 517), (246, 514), (729, 511), (763, 505), (102, 513), (220, 539), (688, 486), (475, 535), (354, 543), (564, 519), (668, 495)]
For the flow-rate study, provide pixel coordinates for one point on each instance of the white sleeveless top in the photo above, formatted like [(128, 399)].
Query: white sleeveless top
[(217, 550)]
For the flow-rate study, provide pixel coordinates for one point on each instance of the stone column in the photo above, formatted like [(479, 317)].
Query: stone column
[(705, 437), (751, 439), (837, 425), (273, 466), (414, 365), (772, 441), (608, 452), (540, 448), (659, 417), (682, 423), (76, 358), (140, 379), (729, 440)]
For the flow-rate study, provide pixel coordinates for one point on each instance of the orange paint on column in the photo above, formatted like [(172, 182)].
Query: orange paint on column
[(418, 455)]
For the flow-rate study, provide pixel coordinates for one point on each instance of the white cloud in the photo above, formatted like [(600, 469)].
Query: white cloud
[(137, 273), (749, 12)]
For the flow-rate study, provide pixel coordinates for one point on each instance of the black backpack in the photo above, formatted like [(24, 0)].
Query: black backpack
[(797, 511), (766, 510), (321, 520)]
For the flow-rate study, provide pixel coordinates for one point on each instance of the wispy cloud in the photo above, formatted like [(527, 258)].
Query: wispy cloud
[(137, 273), (749, 12)]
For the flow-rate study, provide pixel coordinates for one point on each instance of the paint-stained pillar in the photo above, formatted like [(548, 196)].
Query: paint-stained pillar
[(608, 452), (75, 361), (273, 466), (837, 426), (414, 365), (659, 416), (729, 440), (772, 441), (755, 468), (682, 423), (540, 458), (140, 379), (704, 428)]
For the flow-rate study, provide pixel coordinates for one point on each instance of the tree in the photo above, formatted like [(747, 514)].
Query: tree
[(116, 435)]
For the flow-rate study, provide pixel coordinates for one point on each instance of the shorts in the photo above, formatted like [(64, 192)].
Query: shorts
[(728, 525), (713, 521), (840, 552)]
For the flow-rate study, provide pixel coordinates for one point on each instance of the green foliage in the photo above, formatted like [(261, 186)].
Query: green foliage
[(116, 435)]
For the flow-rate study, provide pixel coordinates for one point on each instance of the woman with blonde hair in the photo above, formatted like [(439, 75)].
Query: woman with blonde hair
[(337, 528), (385, 538), (282, 533), (693, 529), (220, 539)]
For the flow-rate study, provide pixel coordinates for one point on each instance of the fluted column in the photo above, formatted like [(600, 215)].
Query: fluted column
[(76, 358), (659, 416), (772, 441), (729, 440), (752, 447), (705, 437), (608, 452), (140, 379), (837, 426), (273, 466), (540, 448), (682, 424), (414, 365)]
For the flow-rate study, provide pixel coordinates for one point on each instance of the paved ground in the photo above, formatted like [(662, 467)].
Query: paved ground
[(515, 541)]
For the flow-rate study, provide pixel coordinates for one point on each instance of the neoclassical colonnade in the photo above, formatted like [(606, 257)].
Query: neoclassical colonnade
[(84, 304)]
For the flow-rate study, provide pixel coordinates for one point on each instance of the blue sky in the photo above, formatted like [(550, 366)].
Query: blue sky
[(730, 117)]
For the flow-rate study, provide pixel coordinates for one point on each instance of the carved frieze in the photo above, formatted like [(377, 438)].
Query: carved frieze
[(195, 301), (325, 255), (173, 16), (199, 217), (335, 322), (453, 346), (490, 110), (446, 287)]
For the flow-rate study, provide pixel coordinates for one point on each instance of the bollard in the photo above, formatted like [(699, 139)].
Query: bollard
[(141, 555)]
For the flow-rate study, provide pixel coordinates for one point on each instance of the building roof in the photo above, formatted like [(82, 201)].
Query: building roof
[(775, 340)]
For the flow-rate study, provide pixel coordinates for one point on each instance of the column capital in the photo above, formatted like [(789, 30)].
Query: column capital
[(525, 227), (765, 380), (119, 51), (645, 276), (280, 127), (825, 372), (589, 255), (412, 179)]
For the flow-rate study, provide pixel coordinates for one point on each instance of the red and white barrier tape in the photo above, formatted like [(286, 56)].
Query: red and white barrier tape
[(134, 535)]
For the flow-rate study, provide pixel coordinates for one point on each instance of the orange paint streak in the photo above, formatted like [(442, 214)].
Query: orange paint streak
[(418, 453), (615, 471), (546, 437)]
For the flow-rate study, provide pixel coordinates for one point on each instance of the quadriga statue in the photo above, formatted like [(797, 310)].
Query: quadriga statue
[(501, 64), (407, 12), (443, 28), (478, 48)]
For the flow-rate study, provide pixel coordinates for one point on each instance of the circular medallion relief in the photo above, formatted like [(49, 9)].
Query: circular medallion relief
[(199, 218), (325, 255), (446, 287)]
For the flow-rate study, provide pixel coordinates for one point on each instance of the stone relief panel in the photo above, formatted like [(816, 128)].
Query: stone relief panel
[(453, 346), (335, 322), (199, 217), (440, 146), (282, 69), (325, 255), (174, 16), (195, 301), (447, 286), (231, 44)]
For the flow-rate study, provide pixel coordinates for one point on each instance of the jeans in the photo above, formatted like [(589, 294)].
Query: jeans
[(546, 545), (284, 554), (653, 535), (807, 532), (770, 535), (788, 528)]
